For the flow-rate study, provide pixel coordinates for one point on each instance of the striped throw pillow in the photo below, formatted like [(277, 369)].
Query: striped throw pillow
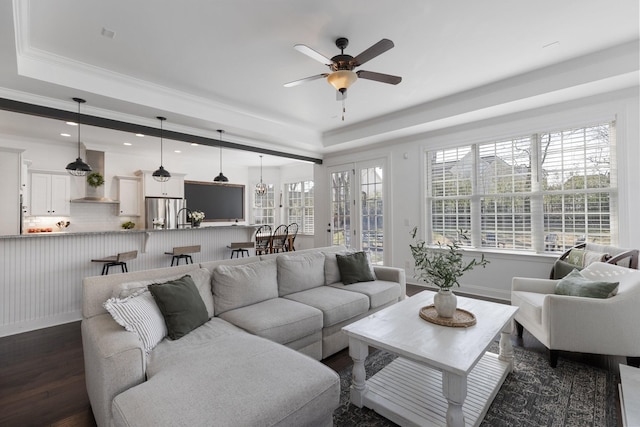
[(139, 313)]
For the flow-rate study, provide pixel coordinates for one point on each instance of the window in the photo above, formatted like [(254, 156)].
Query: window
[(541, 192), (299, 197), (264, 207)]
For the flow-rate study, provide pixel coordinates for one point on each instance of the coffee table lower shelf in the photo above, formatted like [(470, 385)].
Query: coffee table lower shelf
[(410, 394)]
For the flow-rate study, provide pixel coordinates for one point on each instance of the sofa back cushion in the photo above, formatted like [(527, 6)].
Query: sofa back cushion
[(201, 278), (236, 286), (300, 272)]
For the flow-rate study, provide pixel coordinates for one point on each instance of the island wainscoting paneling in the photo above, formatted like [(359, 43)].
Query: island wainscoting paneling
[(41, 274)]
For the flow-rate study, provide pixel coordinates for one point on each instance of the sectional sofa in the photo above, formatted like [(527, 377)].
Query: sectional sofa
[(254, 360)]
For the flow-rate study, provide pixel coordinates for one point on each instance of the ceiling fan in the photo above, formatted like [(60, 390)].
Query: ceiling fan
[(342, 75)]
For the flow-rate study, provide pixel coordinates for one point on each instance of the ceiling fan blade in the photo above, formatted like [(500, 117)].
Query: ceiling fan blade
[(312, 54), (305, 80), (375, 50), (379, 77)]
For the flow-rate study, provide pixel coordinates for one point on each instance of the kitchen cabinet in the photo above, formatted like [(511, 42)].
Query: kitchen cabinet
[(10, 165), (50, 194), (174, 188), (129, 195)]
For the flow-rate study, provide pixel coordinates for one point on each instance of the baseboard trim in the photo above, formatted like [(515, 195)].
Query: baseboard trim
[(41, 323)]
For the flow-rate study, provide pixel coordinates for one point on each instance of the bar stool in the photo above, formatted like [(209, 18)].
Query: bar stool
[(240, 248), (182, 252), (120, 259)]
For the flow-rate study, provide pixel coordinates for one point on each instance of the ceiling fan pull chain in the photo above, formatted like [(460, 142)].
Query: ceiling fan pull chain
[(344, 108)]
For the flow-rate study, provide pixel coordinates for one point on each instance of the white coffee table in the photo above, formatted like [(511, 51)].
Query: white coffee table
[(443, 375)]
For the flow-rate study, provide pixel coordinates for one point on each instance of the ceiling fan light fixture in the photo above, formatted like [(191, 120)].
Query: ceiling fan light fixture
[(79, 167), (342, 79)]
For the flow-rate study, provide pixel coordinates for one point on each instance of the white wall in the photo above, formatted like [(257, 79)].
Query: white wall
[(405, 178)]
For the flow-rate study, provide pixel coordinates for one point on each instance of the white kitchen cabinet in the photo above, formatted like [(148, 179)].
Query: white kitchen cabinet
[(10, 166), (50, 194), (174, 188), (129, 195)]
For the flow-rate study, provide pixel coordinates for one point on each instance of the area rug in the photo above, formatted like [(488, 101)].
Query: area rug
[(534, 394)]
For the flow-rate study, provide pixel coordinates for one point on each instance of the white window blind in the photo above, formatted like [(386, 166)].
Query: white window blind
[(299, 199), (540, 192), (264, 207)]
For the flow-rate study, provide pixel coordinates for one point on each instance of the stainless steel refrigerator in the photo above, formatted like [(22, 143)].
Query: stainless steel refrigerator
[(165, 213)]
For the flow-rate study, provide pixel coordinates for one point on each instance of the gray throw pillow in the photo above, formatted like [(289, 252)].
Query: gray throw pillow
[(354, 268), (575, 284), (181, 306)]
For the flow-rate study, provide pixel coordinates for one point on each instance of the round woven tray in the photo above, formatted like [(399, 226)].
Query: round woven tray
[(461, 318)]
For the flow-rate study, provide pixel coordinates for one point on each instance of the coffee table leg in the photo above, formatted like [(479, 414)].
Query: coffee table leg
[(358, 351), (506, 349), (455, 391)]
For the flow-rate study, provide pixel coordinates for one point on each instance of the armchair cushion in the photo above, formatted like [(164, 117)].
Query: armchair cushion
[(584, 257), (575, 284)]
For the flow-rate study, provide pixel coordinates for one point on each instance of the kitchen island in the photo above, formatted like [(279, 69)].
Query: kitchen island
[(41, 273)]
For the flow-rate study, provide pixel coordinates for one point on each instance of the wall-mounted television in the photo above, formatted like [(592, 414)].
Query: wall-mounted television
[(219, 202)]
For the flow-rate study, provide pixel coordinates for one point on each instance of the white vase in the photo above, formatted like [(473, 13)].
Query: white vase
[(445, 302)]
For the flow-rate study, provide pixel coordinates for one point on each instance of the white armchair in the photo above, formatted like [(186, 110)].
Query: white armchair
[(586, 325)]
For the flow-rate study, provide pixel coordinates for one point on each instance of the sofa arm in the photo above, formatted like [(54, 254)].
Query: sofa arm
[(392, 274), (114, 361), (528, 284)]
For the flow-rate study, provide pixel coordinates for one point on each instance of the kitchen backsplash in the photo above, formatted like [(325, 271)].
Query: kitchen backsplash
[(84, 217)]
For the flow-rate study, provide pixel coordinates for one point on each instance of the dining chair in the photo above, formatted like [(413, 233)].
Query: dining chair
[(293, 232), (279, 239), (263, 239)]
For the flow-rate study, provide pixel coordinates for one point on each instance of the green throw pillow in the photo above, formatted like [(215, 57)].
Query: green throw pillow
[(181, 306), (562, 268), (575, 284), (354, 268)]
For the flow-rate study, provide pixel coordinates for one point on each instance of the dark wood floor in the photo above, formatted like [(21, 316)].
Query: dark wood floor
[(42, 375)]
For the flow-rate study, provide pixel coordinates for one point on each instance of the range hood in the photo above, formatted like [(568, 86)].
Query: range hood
[(92, 194)]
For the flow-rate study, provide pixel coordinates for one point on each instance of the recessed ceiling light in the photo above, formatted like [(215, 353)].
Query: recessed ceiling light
[(194, 144), (177, 151), (65, 134), (72, 123), (141, 135), (126, 143)]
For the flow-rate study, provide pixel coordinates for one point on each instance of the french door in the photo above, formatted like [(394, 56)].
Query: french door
[(358, 207)]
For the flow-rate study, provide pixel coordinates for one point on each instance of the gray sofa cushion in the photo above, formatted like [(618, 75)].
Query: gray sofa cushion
[(235, 380), (336, 305), (278, 319), (299, 272), (236, 286), (380, 292)]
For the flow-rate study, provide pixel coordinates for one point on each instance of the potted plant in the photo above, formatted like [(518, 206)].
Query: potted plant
[(196, 218), (441, 266), (128, 225)]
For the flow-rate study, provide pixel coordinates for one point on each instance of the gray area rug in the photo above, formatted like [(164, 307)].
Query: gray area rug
[(534, 394)]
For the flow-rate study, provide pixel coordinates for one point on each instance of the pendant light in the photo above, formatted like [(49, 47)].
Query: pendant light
[(78, 168), (221, 177), (261, 187), (161, 175)]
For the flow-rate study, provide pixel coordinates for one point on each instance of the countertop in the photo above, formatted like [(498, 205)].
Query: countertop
[(132, 231)]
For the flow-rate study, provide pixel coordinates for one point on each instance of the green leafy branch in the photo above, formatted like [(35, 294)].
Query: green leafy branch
[(443, 265)]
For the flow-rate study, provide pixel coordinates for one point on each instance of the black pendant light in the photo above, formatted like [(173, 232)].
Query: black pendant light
[(221, 177), (78, 168), (161, 175), (261, 187)]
